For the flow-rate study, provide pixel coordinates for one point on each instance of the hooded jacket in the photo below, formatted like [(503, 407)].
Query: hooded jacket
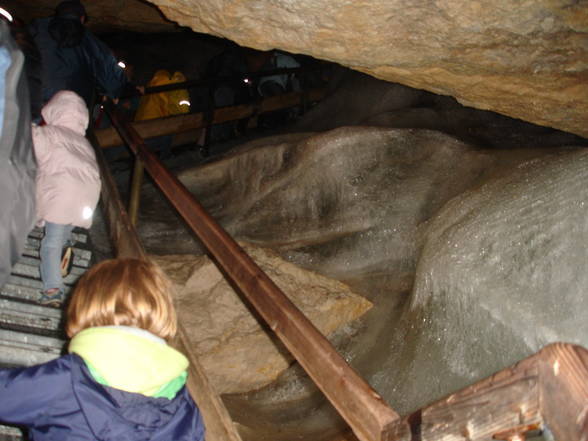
[(159, 105), (63, 400), (79, 67), (68, 180)]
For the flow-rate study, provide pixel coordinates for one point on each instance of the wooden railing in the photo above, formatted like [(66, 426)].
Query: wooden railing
[(299, 72), (547, 392), (110, 137), (359, 404)]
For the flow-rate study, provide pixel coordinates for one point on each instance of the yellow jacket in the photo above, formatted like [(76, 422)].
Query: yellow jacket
[(159, 105)]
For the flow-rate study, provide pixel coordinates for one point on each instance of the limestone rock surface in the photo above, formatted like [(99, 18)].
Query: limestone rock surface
[(237, 351), (527, 60), (358, 99), (104, 15)]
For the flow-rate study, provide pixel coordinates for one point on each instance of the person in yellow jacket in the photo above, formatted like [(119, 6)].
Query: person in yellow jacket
[(162, 104)]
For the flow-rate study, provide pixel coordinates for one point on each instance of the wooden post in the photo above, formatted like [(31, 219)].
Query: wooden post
[(564, 391), (135, 198), (122, 233)]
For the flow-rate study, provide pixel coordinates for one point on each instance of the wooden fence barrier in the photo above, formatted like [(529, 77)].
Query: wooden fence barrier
[(110, 137), (545, 393)]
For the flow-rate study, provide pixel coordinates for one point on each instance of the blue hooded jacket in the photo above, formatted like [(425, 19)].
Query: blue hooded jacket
[(81, 67), (60, 400)]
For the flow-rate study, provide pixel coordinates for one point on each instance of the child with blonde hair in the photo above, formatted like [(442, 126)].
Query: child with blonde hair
[(120, 379)]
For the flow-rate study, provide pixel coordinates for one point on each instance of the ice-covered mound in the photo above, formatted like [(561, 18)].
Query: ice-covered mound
[(342, 202), (503, 272)]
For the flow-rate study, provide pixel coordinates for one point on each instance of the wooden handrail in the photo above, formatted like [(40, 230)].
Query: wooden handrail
[(362, 408), (182, 123), (221, 79)]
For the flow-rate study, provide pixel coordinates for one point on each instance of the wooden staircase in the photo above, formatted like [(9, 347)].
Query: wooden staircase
[(31, 333)]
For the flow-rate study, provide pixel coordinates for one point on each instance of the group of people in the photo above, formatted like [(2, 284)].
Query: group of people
[(120, 379), (73, 63), (236, 79), (70, 63)]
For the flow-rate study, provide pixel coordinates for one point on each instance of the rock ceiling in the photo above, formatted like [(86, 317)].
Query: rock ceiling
[(524, 59)]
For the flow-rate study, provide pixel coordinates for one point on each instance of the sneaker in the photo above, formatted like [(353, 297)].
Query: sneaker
[(52, 297), (66, 261)]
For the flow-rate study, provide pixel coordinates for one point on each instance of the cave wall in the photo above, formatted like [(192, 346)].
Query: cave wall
[(103, 15), (524, 59)]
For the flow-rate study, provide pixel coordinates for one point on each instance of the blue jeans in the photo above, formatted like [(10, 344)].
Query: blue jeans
[(56, 236)]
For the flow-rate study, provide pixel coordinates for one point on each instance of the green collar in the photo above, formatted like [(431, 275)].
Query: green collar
[(131, 360)]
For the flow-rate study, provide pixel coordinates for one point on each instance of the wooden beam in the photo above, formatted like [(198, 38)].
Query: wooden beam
[(217, 420), (135, 196), (505, 400), (364, 410), (548, 391), (123, 235), (564, 391), (181, 123)]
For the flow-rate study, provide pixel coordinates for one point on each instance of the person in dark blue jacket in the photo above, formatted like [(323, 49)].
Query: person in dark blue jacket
[(73, 58), (120, 379)]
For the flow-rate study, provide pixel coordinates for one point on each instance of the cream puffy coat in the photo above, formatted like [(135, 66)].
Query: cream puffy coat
[(68, 180)]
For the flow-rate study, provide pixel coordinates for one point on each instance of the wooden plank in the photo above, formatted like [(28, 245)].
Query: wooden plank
[(564, 391), (182, 123), (218, 423), (479, 412), (548, 390), (362, 408)]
